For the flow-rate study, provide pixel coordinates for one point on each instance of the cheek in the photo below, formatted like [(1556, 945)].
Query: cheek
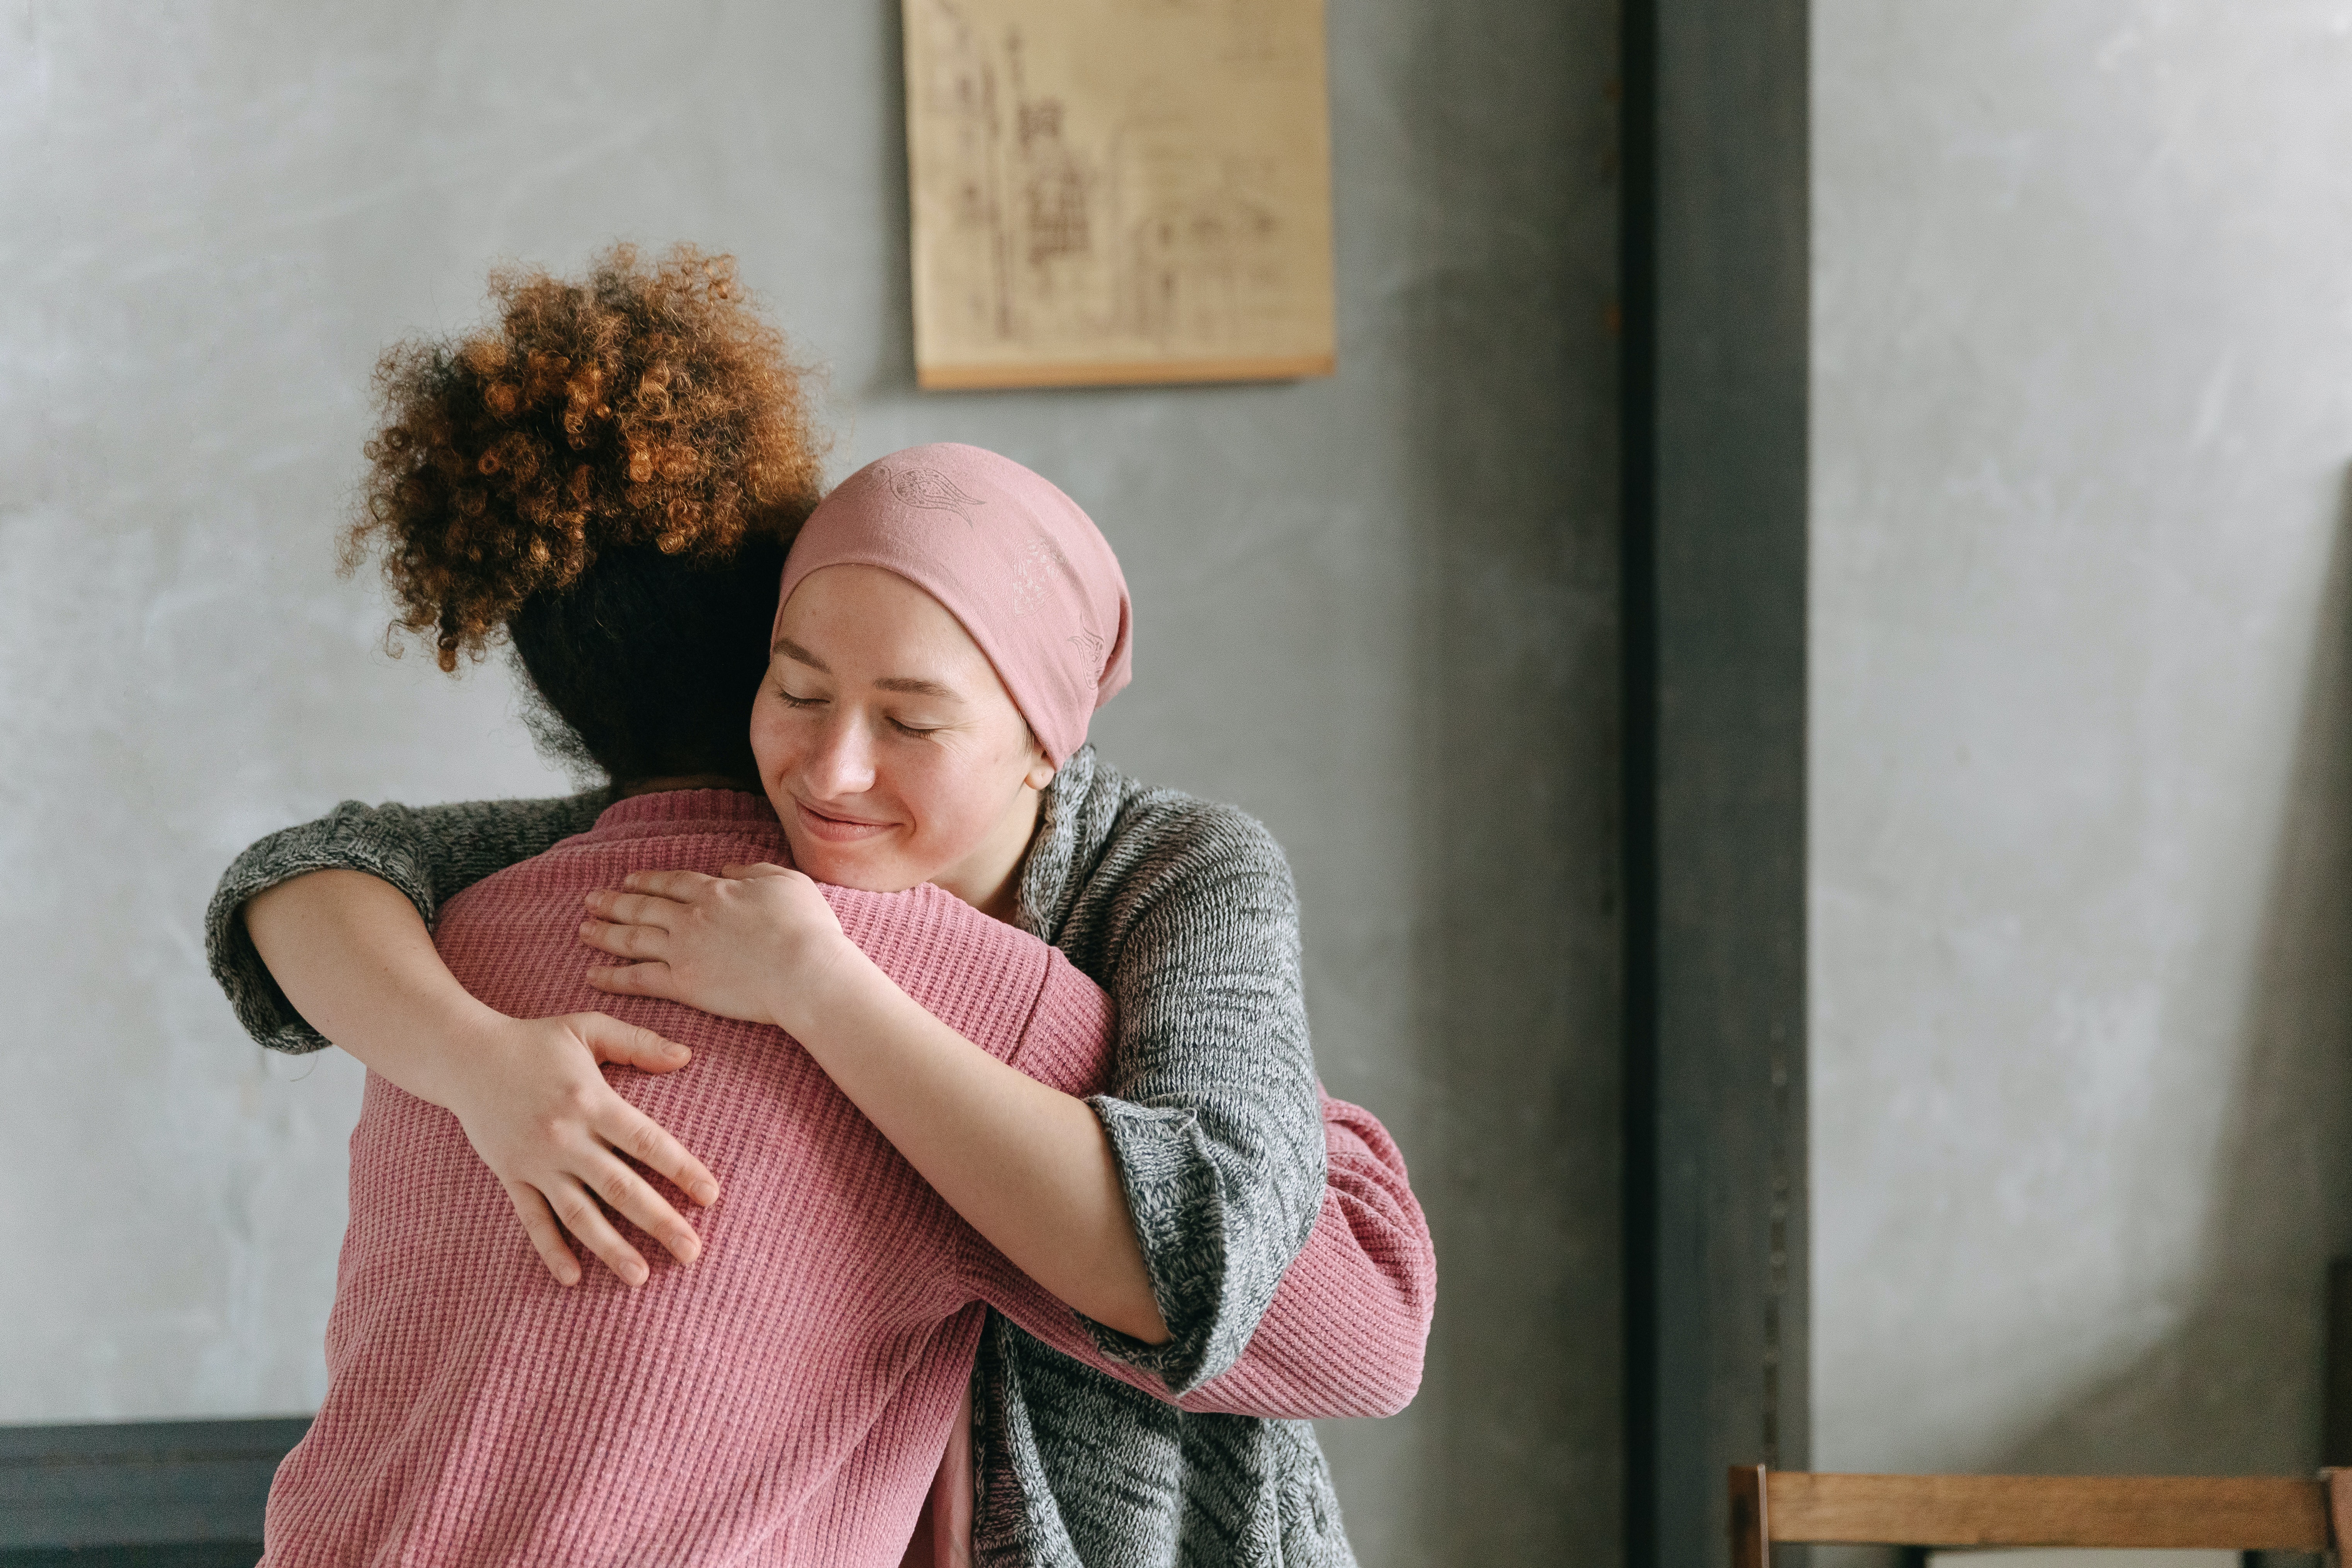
[(952, 797), (775, 739)]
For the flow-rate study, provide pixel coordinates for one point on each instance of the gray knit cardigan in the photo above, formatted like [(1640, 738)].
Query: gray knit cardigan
[(1184, 911)]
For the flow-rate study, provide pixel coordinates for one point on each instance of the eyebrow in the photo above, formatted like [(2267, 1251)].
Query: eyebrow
[(799, 655), (910, 683), (913, 685)]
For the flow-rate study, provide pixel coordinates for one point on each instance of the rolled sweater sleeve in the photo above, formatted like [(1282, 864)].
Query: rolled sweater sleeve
[(1212, 1113), (429, 853), (1349, 1327), (1349, 1323)]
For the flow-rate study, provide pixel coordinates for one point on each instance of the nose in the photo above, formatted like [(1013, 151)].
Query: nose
[(843, 762)]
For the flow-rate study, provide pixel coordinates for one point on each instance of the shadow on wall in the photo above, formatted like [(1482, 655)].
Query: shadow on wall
[(2236, 1387), (1517, 702)]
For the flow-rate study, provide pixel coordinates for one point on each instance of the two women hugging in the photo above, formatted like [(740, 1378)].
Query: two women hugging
[(1024, 1233)]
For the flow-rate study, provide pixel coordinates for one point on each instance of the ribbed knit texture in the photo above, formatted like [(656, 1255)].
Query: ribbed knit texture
[(1184, 911), (478, 1413)]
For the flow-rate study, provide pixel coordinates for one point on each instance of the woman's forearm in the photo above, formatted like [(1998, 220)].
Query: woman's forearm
[(1026, 1165), (355, 959), (429, 853)]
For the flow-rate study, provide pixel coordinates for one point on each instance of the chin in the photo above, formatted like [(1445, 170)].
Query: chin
[(836, 868)]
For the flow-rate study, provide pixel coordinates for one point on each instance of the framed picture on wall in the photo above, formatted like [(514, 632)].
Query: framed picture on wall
[(1118, 191)]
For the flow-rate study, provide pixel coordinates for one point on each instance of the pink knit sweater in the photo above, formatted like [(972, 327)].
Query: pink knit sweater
[(788, 1398)]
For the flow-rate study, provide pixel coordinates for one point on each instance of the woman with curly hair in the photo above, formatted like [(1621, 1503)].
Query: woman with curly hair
[(612, 478)]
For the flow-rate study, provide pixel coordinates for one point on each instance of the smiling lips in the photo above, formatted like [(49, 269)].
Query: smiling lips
[(838, 829)]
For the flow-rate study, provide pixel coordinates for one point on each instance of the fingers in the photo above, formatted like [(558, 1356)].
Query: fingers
[(561, 1146), (633, 1198), (577, 1208), (539, 1224), (674, 886), (625, 942), (632, 979), (746, 873), (648, 1142), (634, 909), (610, 1040)]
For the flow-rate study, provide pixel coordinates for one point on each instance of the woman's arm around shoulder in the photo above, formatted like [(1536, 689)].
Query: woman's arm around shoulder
[(429, 853), (321, 935)]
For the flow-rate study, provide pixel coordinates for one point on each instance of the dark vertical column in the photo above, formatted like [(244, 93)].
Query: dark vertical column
[(2336, 1406), (1638, 622), (1716, 270)]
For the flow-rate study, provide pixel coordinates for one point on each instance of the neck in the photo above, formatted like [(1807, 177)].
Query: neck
[(989, 879), (627, 788)]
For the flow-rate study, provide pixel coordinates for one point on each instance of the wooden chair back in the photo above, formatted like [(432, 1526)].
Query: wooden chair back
[(2242, 1513)]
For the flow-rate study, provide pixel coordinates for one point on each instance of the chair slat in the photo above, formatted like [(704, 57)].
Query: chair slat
[(1751, 1531), (2245, 1513)]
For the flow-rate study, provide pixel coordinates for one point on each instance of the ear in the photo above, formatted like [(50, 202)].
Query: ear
[(1041, 770)]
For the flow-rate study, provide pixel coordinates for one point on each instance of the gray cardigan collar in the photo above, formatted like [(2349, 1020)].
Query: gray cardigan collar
[(1074, 813)]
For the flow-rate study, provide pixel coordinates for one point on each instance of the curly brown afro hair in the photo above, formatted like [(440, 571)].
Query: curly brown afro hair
[(649, 405)]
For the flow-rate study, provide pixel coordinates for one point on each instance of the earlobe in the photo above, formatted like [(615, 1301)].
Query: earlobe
[(1041, 767)]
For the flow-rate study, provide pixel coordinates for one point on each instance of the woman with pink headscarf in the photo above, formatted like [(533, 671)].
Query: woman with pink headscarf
[(949, 622)]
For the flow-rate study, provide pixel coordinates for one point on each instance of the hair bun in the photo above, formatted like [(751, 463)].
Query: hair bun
[(646, 406)]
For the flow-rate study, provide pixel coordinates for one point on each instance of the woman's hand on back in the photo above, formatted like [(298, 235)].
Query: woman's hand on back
[(755, 944), (535, 1105), (354, 957)]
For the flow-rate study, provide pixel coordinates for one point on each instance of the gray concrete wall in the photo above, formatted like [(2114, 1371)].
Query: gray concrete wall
[(1376, 610), (2082, 696)]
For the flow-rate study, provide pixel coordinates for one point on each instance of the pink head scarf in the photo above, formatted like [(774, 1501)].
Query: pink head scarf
[(1026, 572)]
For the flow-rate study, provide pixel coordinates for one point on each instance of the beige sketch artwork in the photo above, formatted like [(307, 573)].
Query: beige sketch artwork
[(1110, 190)]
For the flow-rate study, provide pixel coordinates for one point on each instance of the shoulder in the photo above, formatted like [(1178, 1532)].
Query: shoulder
[(1176, 834), (1151, 827), (1148, 852)]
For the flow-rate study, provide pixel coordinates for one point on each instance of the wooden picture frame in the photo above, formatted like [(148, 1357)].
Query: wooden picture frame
[(1114, 191)]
